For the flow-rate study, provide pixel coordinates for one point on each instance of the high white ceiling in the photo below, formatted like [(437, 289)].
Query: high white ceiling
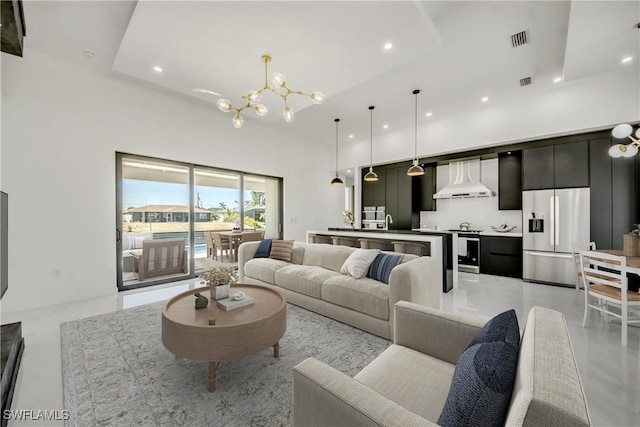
[(456, 52)]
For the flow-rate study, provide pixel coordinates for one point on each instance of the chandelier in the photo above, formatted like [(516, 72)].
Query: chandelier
[(254, 97), (623, 131)]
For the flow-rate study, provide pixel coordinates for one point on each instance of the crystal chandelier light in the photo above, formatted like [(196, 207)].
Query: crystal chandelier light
[(254, 97), (620, 150)]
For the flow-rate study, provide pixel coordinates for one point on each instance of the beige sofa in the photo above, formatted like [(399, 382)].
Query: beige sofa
[(313, 280), (408, 384)]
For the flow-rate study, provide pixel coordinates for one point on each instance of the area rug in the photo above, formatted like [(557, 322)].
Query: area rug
[(116, 372)]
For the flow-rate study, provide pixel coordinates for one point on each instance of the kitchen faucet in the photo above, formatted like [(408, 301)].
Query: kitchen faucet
[(387, 219)]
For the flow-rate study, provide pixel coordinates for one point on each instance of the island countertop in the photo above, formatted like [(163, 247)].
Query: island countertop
[(439, 243)]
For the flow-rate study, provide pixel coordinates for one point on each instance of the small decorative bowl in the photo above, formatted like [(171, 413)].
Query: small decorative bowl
[(503, 229)]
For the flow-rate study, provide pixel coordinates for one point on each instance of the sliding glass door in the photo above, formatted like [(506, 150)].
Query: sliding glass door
[(166, 212)]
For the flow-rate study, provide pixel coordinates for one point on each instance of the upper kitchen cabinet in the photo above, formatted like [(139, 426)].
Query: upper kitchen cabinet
[(423, 188), (373, 193), (556, 166), (510, 180)]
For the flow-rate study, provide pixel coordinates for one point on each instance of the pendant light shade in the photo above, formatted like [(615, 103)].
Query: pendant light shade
[(371, 176), (337, 180), (416, 169)]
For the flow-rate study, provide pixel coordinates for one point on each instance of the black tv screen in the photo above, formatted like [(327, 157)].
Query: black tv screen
[(4, 228)]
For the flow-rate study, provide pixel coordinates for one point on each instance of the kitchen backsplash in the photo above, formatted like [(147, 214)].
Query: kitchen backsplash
[(481, 212)]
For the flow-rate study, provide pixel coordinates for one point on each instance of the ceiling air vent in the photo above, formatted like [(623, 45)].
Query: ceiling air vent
[(519, 39), (525, 81)]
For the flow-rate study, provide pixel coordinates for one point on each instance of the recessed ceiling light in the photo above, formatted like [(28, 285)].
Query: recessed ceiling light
[(348, 170), (485, 99), (388, 46), (385, 126), (627, 59), (88, 53), (557, 79), (429, 114), (351, 136), (157, 69)]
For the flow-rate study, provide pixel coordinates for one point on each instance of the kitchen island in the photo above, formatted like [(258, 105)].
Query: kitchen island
[(439, 242)]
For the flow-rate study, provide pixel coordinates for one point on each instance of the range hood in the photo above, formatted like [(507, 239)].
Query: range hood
[(464, 181)]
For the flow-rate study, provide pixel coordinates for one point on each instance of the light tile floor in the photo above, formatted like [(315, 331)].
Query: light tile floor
[(610, 372)]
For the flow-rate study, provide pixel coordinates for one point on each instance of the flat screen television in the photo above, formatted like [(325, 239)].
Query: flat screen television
[(4, 228)]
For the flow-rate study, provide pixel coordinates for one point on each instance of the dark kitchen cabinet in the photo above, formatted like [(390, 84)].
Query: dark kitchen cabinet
[(423, 188), (614, 194), (398, 197), (374, 192), (501, 256), (556, 166), (510, 180)]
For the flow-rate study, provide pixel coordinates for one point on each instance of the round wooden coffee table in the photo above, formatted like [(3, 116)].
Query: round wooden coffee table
[(214, 335)]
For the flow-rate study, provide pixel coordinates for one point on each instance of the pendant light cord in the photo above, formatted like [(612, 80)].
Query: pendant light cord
[(371, 136), (336, 120), (416, 92)]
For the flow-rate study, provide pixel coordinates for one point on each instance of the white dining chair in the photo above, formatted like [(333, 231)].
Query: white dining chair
[(576, 260), (604, 277)]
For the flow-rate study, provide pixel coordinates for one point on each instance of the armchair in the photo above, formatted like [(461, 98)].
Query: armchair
[(162, 257), (409, 382)]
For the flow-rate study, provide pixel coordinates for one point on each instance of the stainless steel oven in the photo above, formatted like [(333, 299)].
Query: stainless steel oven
[(469, 253)]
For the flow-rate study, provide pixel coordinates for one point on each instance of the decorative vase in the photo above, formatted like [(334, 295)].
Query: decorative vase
[(631, 245), (220, 292)]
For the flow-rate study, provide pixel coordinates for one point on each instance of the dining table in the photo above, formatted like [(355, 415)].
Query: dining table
[(633, 262), (235, 238)]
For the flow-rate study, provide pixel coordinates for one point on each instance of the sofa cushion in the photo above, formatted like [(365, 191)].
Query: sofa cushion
[(281, 249), (364, 295), (358, 262), (264, 249), (297, 254), (326, 256), (263, 269), (411, 379), (303, 279), (481, 386), (380, 268)]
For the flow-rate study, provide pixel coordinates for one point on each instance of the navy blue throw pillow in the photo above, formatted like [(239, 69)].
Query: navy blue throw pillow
[(481, 386), (264, 249), (380, 268), (503, 327), (483, 379)]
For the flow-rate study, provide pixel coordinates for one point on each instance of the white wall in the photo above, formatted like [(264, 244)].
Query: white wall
[(572, 107), (61, 126), (481, 212)]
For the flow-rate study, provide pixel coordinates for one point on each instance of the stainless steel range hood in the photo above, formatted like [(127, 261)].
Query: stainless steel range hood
[(464, 181)]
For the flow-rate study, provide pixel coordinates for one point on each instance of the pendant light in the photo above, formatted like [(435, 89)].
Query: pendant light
[(416, 169), (337, 180), (371, 176)]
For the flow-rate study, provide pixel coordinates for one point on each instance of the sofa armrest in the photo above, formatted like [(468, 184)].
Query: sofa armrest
[(246, 251), (324, 396), (434, 332), (414, 281)]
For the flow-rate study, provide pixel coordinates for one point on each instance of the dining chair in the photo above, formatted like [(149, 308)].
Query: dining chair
[(604, 277), (222, 244), (211, 246), (575, 251)]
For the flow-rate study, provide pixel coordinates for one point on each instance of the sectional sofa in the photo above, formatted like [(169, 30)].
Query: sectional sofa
[(312, 280)]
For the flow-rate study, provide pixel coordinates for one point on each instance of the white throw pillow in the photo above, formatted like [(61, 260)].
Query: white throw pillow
[(358, 262)]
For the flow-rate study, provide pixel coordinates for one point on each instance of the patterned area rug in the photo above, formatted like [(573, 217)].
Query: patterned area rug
[(117, 372)]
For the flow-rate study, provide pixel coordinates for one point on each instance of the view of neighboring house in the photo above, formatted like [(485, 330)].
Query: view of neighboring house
[(165, 213)]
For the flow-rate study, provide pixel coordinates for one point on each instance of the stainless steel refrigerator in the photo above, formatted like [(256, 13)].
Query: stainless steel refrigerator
[(554, 222)]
